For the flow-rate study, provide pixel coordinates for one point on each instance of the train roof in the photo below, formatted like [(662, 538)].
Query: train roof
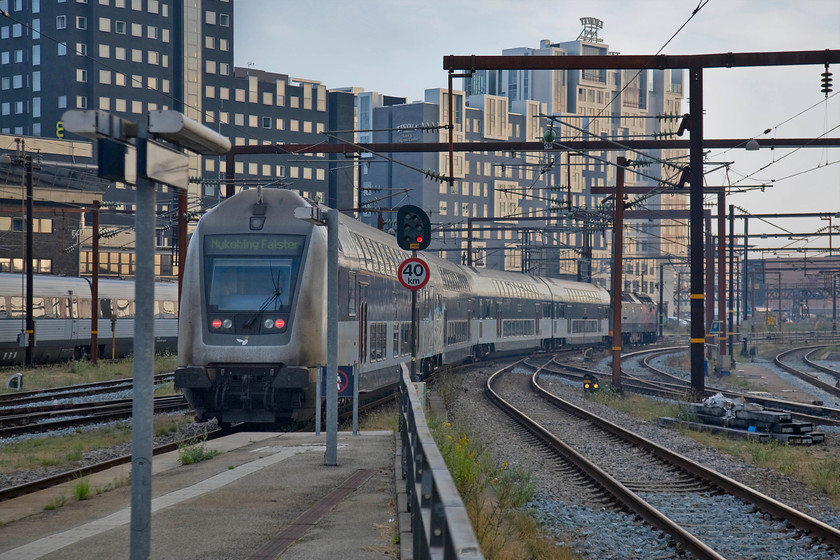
[(14, 284)]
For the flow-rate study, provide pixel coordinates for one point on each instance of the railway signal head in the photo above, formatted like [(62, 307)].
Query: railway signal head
[(590, 384), (414, 230)]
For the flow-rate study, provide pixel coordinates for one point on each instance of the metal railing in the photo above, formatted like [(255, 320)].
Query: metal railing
[(441, 528)]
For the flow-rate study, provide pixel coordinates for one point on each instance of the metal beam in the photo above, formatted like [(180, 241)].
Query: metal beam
[(655, 62), (559, 146)]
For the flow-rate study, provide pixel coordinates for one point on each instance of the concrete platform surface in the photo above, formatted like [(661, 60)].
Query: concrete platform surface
[(267, 495)]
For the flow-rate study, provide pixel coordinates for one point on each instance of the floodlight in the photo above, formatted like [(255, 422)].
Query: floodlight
[(183, 131)]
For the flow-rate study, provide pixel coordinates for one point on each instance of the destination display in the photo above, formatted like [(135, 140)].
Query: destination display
[(254, 244)]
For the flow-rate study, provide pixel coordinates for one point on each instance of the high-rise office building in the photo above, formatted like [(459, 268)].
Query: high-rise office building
[(127, 57)]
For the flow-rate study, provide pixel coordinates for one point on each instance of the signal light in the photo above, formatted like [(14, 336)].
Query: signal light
[(590, 384), (414, 230)]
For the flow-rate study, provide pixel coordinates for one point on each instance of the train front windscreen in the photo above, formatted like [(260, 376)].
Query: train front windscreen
[(250, 281)]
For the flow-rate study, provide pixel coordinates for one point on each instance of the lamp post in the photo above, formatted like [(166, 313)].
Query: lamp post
[(154, 163)]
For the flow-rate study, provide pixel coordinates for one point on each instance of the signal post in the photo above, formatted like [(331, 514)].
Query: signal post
[(414, 233)]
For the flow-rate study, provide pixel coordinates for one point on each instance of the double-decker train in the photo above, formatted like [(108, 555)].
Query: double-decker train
[(62, 308), (252, 334)]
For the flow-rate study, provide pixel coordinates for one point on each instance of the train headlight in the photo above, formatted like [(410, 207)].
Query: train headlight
[(268, 323), (227, 323)]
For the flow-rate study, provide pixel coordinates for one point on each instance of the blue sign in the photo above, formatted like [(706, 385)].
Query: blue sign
[(345, 381)]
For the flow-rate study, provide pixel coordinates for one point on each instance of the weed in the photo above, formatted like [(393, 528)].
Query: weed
[(74, 455), (55, 503), (194, 450), (825, 475), (493, 496), (81, 489)]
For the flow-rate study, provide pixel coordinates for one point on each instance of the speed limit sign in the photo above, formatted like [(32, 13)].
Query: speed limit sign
[(413, 273)]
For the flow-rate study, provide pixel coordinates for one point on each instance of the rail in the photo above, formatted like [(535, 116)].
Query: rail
[(440, 525)]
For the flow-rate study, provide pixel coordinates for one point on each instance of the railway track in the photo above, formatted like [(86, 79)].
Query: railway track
[(667, 490), (47, 418), (21, 398), (660, 383)]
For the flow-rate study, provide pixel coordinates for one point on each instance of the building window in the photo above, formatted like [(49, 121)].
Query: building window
[(153, 57), (224, 20), (136, 30), (105, 25), (4, 57), (224, 68), (154, 6), (5, 108), (137, 107), (36, 55), (61, 22), (210, 17), (119, 27), (105, 103), (223, 45), (119, 105), (104, 51), (62, 101), (136, 55), (119, 79), (119, 53), (266, 122), (152, 32), (81, 75), (18, 107), (62, 49), (210, 66), (105, 77), (36, 81), (209, 42), (81, 102), (81, 22)]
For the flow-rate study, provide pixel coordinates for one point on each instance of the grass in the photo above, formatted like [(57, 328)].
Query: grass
[(81, 489), (67, 451), (72, 373), (494, 496), (195, 450)]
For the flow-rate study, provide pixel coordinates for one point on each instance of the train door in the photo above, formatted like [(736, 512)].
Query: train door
[(498, 319), (71, 326)]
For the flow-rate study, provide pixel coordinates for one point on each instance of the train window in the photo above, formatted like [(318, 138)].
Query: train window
[(84, 308), (251, 271), (363, 252), (105, 309), (351, 294), (124, 308), (405, 338), (38, 308), (165, 308), (17, 307), (4, 308), (395, 339)]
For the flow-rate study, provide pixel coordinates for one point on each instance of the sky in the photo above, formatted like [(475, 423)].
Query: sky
[(396, 47)]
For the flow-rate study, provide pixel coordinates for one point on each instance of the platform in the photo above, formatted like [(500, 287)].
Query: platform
[(267, 495)]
